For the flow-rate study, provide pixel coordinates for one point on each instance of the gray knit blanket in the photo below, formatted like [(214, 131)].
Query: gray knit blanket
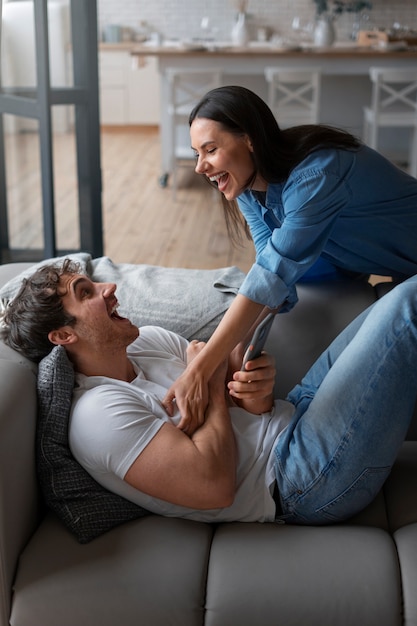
[(190, 302)]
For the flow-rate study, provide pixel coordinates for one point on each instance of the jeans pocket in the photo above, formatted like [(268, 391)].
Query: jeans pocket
[(356, 497)]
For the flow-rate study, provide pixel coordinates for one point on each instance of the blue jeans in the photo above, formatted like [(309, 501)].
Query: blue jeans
[(353, 409)]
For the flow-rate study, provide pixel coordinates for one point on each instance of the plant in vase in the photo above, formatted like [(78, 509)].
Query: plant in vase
[(336, 7), (326, 12)]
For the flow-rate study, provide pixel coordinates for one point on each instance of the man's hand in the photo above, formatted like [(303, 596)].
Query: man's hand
[(253, 388), (194, 348)]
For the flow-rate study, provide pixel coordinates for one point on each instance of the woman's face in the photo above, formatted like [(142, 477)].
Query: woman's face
[(225, 158)]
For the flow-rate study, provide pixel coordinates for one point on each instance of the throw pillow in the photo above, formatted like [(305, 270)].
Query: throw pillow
[(84, 506)]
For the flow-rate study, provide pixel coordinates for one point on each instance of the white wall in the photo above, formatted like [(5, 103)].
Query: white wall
[(182, 18)]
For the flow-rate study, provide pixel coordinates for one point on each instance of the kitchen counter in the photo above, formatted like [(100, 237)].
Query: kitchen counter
[(256, 49)]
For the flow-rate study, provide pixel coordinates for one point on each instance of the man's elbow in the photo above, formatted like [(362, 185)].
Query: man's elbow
[(220, 494), (227, 499)]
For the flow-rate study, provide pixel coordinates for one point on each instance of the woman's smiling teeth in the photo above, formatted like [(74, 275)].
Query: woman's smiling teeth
[(222, 181), (216, 178)]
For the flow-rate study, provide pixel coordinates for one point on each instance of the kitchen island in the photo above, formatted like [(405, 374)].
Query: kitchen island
[(346, 87)]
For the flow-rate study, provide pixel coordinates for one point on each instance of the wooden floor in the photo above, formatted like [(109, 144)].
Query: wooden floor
[(142, 222)]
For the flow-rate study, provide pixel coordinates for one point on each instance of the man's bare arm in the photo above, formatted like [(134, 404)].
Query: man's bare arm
[(197, 471)]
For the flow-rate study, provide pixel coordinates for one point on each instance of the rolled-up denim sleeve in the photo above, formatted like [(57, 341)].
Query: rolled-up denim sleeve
[(269, 289)]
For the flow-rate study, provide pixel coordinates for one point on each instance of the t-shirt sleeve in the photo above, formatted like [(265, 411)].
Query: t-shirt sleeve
[(109, 428)]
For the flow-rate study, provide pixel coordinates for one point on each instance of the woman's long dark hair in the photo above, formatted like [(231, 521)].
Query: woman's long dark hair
[(275, 151)]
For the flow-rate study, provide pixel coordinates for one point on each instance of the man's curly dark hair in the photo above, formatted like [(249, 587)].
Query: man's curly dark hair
[(36, 310)]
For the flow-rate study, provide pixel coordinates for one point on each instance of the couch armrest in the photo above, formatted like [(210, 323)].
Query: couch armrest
[(19, 497)]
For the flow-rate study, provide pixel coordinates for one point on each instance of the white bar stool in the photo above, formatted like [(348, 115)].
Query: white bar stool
[(294, 95), (394, 104), (186, 88)]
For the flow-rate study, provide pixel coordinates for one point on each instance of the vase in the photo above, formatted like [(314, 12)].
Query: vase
[(324, 32), (240, 32)]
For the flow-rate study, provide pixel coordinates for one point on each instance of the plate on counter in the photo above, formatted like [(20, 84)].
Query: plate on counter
[(192, 46), (390, 45), (277, 44)]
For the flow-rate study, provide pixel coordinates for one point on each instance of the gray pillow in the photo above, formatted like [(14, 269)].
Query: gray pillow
[(84, 506)]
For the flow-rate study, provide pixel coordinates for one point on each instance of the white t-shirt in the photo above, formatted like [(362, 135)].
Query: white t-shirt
[(113, 421)]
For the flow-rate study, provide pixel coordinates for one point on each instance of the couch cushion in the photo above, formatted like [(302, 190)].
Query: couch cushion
[(149, 572), (85, 507), (317, 576), (406, 541)]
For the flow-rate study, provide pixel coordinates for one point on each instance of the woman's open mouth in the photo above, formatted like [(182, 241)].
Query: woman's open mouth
[(221, 180)]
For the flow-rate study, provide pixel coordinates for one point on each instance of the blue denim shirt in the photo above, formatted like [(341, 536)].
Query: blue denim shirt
[(354, 209)]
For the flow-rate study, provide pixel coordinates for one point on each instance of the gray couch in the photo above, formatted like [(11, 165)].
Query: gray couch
[(156, 571)]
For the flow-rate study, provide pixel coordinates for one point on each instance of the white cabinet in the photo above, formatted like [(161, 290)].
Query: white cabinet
[(113, 79), (129, 88), (144, 90)]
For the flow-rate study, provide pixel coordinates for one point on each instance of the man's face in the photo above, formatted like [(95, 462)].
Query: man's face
[(94, 307)]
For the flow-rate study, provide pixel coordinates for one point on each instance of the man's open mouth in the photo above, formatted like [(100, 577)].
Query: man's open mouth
[(114, 314)]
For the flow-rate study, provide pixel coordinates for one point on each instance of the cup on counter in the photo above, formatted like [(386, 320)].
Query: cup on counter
[(262, 34), (155, 39), (112, 33)]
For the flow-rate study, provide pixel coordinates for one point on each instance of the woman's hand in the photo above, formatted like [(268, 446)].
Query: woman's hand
[(253, 389), (190, 390), (190, 393)]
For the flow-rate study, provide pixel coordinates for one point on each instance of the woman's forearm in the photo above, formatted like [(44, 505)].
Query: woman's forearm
[(234, 328)]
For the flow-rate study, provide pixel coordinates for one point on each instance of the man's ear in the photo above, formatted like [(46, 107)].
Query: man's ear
[(62, 336)]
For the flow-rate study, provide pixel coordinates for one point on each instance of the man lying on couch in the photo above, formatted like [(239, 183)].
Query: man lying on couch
[(318, 457)]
